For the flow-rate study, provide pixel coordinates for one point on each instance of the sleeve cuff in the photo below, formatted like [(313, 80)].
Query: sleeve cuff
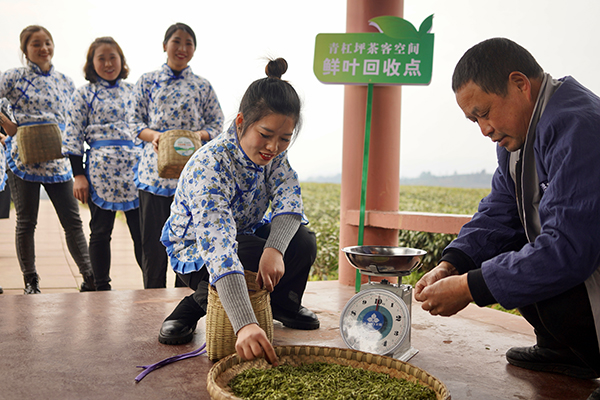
[(460, 260), (77, 164), (479, 289), (283, 229), (234, 297)]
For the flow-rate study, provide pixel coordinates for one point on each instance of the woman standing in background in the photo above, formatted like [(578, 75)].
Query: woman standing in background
[(38, 94), (171, 98), (100, 117), (4, 201)]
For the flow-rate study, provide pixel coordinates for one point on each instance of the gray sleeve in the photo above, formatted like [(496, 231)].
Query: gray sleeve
[(283, 229), (233, 294)]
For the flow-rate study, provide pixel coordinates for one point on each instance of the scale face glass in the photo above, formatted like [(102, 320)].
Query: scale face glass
[(375, 321)]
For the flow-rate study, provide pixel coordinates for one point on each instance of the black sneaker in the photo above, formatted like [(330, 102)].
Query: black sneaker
[(304, 319), (544, 359)]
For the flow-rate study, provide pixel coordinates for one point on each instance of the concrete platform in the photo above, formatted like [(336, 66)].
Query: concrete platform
[(67, 345)]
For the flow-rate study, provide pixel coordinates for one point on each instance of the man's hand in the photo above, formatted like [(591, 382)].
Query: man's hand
[(442, 291), (252, 342), (441, 271), (270, 269), (81, 188)]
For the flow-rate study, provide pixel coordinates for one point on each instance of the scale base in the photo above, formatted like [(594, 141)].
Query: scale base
[(406, 351), (405, 354)]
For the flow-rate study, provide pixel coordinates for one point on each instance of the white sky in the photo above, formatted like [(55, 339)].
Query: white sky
[(235, 36)]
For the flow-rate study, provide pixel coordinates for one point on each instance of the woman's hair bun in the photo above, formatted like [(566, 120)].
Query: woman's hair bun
[(276, 68)]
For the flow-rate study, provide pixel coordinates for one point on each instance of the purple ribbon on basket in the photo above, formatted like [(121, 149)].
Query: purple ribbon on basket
[(152, 367)]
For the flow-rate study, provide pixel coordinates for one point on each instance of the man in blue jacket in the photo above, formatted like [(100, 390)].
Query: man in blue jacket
[(534, 243)]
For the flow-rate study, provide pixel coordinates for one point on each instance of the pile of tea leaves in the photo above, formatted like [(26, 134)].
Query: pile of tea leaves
[(323, 381)]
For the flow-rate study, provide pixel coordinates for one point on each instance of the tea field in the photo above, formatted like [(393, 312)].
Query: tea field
[(322, 208)]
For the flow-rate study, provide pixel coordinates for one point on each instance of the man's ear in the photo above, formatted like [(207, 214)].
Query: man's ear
[(520, 81)]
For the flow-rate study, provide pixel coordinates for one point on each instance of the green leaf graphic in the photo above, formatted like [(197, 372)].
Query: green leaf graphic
[(426, 25), (395, 27)]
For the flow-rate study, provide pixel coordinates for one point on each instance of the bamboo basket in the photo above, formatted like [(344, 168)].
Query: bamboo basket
[(175, 148), (223, 371), (39, 143), (220, 338)]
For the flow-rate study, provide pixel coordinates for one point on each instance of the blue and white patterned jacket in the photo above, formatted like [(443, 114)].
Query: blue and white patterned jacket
[(100, 117), (4, 108), (222, 194), (37, 97), (164, 101)]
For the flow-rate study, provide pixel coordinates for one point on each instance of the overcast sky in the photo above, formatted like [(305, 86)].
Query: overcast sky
[(234, 37)]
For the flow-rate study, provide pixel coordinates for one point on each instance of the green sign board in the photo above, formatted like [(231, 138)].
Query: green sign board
[(398, 55)]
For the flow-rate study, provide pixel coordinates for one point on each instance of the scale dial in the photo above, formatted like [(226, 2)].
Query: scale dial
[(375, 321)]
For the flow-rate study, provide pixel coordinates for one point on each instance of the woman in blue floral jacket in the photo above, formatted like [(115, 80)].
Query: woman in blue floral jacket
[(38, 94), (238, 206), (171, 98), (99, 116)]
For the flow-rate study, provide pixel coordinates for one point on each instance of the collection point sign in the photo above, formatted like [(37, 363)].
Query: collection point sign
[(398, 54)]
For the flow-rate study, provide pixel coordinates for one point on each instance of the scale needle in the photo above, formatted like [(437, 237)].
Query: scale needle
[(378, 301)]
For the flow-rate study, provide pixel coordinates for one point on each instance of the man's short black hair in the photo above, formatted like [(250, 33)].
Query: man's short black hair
[(489, 63)]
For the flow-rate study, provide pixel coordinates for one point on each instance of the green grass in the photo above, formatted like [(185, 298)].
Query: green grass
[(322, 207)]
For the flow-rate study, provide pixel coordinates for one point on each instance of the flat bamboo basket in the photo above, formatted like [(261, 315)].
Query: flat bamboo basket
[(220, 338), (174, 150), (223, 371), (39, 143)]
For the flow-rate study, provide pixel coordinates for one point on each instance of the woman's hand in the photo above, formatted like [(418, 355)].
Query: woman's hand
[(150, 135), (204, 136), (270, 269), (252, 342), (9, 127), (81, 188)]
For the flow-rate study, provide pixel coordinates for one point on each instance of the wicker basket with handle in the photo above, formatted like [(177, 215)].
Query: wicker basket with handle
[(39, 143), (174, 150), (226, 369), (220, 338)]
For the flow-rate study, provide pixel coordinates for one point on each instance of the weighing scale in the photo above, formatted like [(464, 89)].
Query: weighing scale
[(378, 318)]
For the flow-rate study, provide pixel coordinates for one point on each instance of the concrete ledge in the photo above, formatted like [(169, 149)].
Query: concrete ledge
[(411, 221)]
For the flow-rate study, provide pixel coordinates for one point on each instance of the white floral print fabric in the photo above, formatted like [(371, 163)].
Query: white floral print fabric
[(221, 194), (164, 101), (5, 109), (37, 98), (100, 117)]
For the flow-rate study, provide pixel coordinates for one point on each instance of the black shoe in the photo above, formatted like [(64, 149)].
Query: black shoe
[(176, 332), (1, 290), (32, 283), (304, 319), (88, 283), (179, 327), (595, 395), (550, 360)]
